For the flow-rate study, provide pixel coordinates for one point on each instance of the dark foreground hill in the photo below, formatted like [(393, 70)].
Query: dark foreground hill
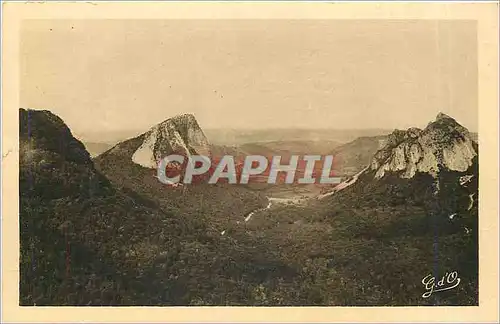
[(82, 241), (85, 242)]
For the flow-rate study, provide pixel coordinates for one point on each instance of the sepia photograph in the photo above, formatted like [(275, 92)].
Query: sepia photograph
[(251, 162)]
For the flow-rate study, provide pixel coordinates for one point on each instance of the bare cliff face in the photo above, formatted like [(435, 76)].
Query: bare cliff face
[(180, 135), (443, 151), (442, 145)]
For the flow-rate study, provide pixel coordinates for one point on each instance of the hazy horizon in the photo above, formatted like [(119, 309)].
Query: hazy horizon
[(112, 76), (215, 135)]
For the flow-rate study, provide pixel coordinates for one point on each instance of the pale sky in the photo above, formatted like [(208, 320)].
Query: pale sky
[(117, 75)]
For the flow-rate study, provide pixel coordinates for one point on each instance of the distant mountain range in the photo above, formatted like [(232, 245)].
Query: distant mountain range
[(242, 136), (293, 139)]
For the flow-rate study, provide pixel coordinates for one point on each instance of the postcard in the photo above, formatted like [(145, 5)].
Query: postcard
[(250, 162)]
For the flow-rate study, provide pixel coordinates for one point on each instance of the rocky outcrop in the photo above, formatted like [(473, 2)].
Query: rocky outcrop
[(179, 135), (443, 154), (443, 144)]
